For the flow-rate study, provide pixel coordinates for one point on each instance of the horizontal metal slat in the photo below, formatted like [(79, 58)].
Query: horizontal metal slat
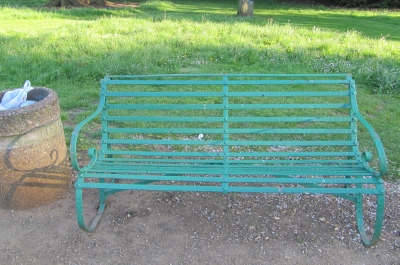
[(289, 106), (230, 154), (163, 118), (290, 119), (230, 119), (160, 94), (230, 131), (258, 76), (290, 94), (222, 82), (194, 169), (225, 179), (226, 107), (228, 94), (162, 82), (228, 143), (128, 161), (165, 106), (198, 188)]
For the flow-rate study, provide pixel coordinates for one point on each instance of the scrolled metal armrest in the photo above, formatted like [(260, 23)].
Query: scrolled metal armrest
[(367, 156), (92, 152)]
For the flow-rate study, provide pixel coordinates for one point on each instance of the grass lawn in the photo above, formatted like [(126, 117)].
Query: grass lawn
[(70, 50)]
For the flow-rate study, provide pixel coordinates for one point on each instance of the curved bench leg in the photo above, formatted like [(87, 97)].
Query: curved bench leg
[(79, 210), (379, 216)]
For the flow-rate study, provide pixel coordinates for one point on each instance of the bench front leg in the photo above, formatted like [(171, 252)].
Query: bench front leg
[(379, 217), (80, 207)]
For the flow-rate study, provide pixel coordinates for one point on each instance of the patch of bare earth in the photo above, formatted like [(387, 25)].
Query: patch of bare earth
[(141, 227), (107, 5), (133, 5)]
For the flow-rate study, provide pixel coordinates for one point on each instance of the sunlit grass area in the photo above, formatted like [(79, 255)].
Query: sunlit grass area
[(70, 50)]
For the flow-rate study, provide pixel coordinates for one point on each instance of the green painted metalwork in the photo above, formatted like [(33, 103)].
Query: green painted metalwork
[(284, 133)]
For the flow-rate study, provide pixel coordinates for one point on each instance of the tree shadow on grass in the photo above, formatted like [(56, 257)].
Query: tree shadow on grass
[(375, 25), (372, 24), (23, 3)]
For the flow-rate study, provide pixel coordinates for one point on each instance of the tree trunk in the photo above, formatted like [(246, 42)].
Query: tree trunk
[(76, 3), (245, 8)]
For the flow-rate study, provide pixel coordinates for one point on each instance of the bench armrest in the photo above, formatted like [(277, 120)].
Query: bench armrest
[(92, 152), (367, 156)]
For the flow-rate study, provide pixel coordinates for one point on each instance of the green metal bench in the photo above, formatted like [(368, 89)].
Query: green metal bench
[(232, 133)]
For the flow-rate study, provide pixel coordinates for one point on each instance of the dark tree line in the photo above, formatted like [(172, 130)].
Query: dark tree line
[(77, 3), (359, 3)]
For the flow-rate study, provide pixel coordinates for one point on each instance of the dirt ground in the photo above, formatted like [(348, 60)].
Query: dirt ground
[(141, 227)]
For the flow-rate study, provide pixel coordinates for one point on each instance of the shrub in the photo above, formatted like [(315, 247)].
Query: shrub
[(368, 3)]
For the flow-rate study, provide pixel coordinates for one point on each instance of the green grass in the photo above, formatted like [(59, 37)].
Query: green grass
[(70, 50)]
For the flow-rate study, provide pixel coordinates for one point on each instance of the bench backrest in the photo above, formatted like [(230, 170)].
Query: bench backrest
[(256, 118)]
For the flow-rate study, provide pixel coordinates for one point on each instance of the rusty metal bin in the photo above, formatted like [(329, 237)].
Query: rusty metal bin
[(34, 165)]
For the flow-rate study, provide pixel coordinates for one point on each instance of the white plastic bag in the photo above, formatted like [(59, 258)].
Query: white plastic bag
[(15, 98)]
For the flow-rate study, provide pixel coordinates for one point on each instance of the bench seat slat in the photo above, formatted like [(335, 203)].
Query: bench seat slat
[(106, 161), (209, 179), (235, 165), (233, 169), (249, 189), (239, 172)]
